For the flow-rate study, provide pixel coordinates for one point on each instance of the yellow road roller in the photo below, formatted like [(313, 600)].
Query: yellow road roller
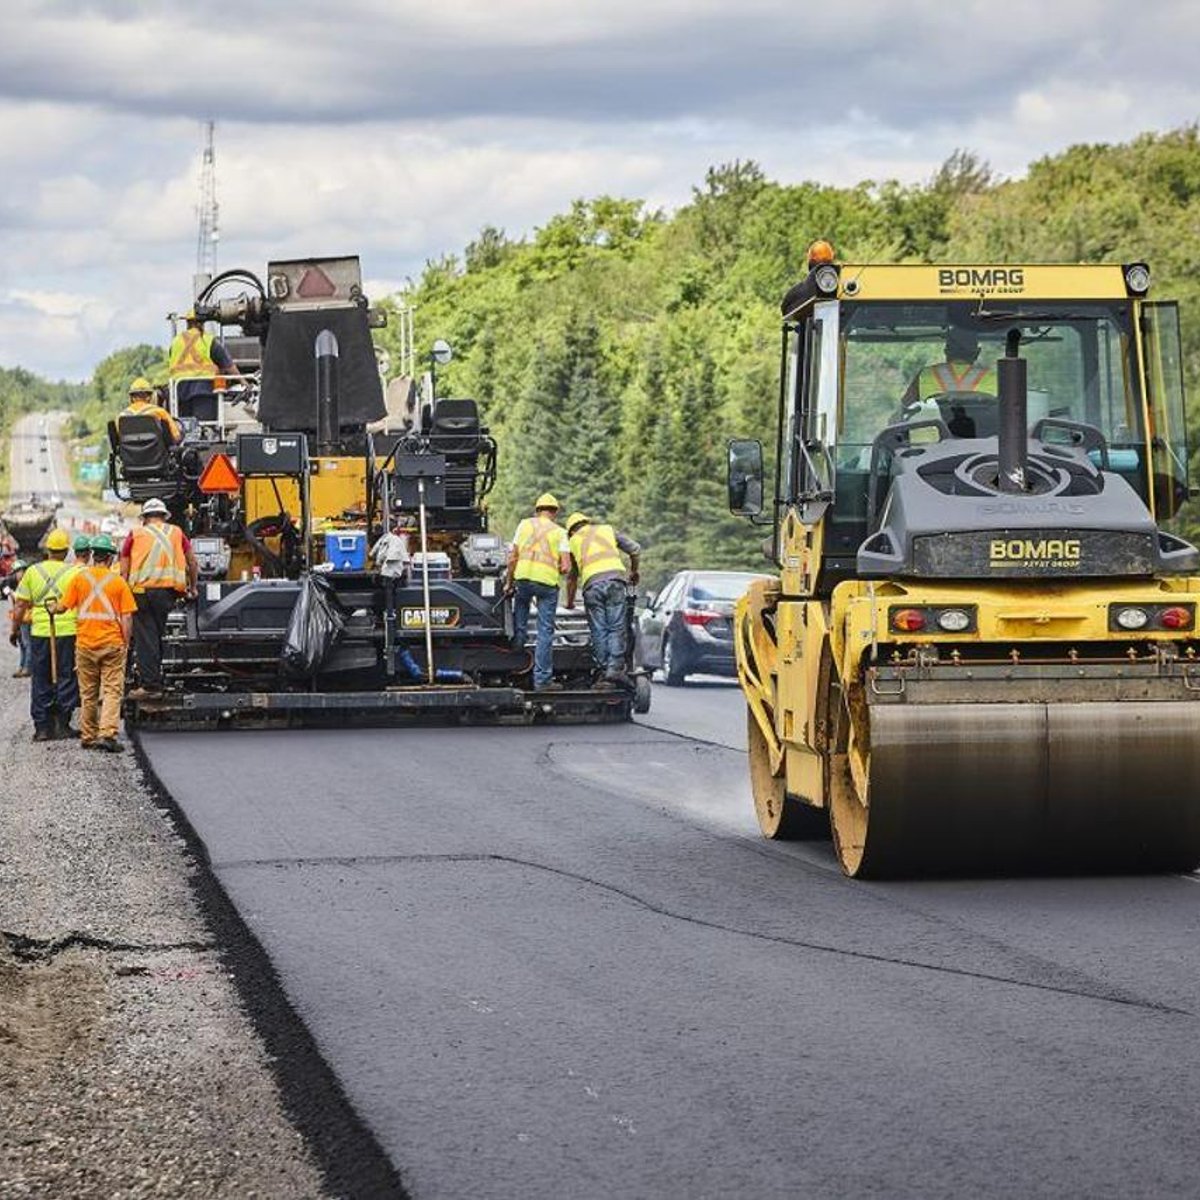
[(980, 653)]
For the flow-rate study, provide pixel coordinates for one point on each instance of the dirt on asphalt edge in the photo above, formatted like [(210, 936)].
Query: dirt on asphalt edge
[(351, 1160)]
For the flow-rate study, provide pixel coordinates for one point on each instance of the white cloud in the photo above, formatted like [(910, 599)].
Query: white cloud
[(397, 129)]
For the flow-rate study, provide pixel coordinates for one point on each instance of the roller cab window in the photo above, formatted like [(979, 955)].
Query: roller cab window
[(1163, 361)]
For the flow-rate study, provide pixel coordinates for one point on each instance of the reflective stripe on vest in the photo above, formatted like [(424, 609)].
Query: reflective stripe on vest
[(52, 584), (87, 610), (191, 355), (537, 559), (596, 552), (949, 380), (156, 558)]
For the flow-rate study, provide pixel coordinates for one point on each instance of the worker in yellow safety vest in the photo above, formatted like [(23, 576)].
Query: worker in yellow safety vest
[(54, 690), (158, 564), (143, 402), (197, 362), (537, 559), (597, 568), (960, 372)]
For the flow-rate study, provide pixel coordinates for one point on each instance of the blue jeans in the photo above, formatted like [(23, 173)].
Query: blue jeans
[(43, 695), (546, 595), (604, 603)]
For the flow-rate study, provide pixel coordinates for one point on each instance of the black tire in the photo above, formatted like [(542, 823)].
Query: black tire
[(674, 669), (641, 693)]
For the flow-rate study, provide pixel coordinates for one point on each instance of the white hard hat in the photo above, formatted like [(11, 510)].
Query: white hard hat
[(154, 507)]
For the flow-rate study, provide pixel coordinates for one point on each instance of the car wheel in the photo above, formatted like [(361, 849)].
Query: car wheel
[(673, 667), (641, 694)]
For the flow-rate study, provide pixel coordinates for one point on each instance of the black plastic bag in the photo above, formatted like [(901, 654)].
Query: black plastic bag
[(316, 623)]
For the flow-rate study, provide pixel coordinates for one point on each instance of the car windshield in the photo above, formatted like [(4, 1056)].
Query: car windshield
[(727, 586), (911, 362)]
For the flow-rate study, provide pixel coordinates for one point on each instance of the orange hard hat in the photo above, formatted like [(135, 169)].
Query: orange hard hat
[(820, 252)]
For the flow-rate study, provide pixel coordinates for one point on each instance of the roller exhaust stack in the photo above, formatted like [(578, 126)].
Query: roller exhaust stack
[(1014, 422), (328, 417)]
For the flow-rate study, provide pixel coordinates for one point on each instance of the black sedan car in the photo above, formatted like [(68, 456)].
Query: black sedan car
[(687, 629)]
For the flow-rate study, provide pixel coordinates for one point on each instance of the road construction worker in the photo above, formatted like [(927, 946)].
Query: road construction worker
[(104, 608), (158, 564), (53, 692), (597, 567), (143, 402), (958, 373), (23, 636), (537, 560), (81, 550), (197, 362)]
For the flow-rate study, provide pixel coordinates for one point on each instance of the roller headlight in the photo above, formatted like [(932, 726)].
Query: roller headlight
[(954, 620), (1137, 279), (825, 279), (1132, 618)]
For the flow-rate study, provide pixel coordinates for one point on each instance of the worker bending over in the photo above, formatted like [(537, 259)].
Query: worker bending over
[(53, 692), (143, 402), (160, 568), (537, 560), (597, 567), (104, 608)]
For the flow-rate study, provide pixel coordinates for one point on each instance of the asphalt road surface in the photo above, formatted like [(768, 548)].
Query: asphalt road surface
[(560, 962), (27, 478)]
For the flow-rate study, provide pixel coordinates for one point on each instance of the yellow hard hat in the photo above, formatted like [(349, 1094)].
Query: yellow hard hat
[(139, 385), (58, 540), (545, 500), (575, 520)]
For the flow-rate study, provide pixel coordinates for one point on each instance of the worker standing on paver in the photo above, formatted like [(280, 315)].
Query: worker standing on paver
[(197, 362), (597, 567), (104, 608), (160, 568), (54, 691), (537, 560)]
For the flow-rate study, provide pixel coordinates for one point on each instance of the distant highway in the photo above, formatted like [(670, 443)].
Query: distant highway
[(560, 961)]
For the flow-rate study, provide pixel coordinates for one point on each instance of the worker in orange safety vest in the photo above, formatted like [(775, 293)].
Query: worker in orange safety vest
[(159, 566)]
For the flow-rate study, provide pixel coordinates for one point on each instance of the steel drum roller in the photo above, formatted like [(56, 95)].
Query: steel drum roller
[(969, 787)]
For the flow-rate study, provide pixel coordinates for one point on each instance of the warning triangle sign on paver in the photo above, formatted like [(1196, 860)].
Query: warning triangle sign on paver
[(219, 475)]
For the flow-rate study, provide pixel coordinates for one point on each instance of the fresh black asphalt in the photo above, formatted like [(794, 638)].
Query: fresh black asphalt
[(559, 962)]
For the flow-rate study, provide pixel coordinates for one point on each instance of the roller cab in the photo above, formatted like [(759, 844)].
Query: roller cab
[(980, 653)]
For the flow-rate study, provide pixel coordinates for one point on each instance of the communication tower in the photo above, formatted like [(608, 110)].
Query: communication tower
[(207, 212)]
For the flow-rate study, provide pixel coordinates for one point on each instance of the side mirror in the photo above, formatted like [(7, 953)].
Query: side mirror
[(744, 478)]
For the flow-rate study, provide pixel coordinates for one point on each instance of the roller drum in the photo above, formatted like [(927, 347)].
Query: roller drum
[(958, 788)]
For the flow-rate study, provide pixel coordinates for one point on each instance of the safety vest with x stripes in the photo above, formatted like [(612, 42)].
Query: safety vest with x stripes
[(191, 355), (946, 377), (47, 581), (595, 551), (537, 541), (97, 605), (156, 558)]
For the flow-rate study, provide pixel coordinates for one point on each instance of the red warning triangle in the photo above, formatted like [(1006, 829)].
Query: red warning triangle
[(315, 285), (220, 475)]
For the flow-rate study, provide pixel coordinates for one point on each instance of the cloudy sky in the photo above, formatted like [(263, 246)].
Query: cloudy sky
[(395, 129)]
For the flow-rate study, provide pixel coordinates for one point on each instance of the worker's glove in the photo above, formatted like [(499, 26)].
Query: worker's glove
[(634, 578), (52, 606), (13, 637), (509, 591)]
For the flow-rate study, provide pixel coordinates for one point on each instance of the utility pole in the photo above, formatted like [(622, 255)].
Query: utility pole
[(207, 212)]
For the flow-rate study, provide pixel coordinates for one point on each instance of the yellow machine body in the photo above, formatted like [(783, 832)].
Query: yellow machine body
[(1042, 735)]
